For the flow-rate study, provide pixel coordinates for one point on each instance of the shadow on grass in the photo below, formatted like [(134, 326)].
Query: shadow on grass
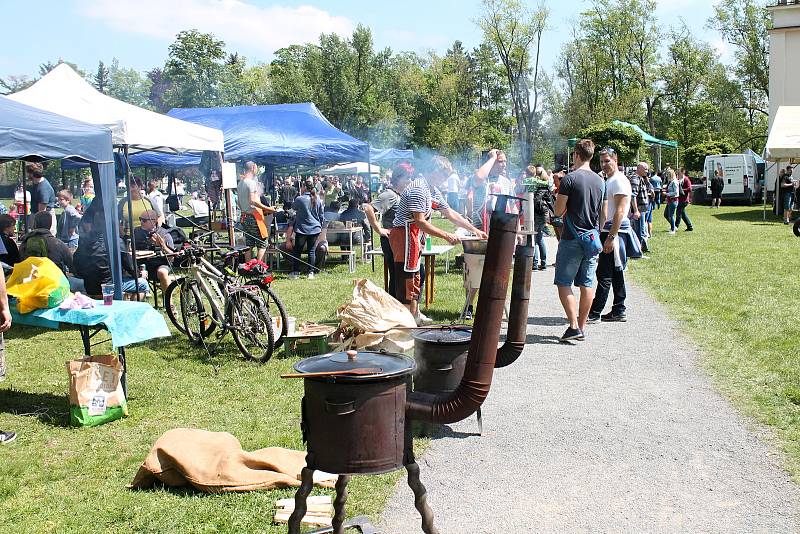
[(48, 408), (178, 347), (752, 215), (21, 331)]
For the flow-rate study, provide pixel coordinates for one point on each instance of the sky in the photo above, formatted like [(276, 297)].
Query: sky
[(139, 32)]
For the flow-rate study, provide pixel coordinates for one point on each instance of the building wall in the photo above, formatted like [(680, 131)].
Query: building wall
[(784, 68)]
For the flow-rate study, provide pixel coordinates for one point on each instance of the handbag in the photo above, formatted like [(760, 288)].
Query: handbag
[(589, 240)]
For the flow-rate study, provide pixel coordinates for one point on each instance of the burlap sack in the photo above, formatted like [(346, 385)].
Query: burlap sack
[(95, 390)]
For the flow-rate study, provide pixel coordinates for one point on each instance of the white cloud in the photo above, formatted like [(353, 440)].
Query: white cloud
[(243, 26), (684, 7)]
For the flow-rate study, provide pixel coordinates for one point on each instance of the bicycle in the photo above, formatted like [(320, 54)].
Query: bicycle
[(211, 299), (259, 279)]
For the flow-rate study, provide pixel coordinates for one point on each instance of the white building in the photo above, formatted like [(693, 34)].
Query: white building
[(784, 65)]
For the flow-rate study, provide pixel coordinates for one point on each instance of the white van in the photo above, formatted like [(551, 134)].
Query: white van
[(739, 173)]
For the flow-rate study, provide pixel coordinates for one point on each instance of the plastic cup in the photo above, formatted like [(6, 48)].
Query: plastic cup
[(108, 294)]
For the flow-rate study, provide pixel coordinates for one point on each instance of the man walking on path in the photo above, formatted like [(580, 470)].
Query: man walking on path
[(610, 265), (640, 198), (683, 201), (580, 196)]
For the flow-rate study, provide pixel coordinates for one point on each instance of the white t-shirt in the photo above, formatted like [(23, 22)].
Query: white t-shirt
[(157, 200), (617, 184), (453, 183), (199, 207)]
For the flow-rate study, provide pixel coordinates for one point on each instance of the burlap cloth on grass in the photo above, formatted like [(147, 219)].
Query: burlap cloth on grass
[(214, 462)]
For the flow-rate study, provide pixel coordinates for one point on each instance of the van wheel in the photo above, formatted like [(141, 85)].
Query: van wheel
[(796, 228)]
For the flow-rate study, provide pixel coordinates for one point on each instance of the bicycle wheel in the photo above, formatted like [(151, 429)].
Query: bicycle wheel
[(273, 305), (196, 313), (250, 325), (172, 304)]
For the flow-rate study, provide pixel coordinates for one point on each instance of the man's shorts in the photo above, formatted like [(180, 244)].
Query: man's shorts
[(251, 231), (407, 284), (571, 266), (787, 201)]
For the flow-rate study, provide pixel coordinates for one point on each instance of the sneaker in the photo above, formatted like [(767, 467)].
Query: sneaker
[(294, 276), (671, 232), (7, 437), (572, 334), (468, 313), (785, 222), (593, 319), (542, 266), (310, 276), (423, 320), (614, 318), (690, 229)]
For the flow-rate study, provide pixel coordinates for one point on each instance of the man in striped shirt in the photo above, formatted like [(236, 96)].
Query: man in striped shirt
[(412, 224)]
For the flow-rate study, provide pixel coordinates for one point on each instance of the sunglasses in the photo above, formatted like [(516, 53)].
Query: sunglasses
[(608, 150)]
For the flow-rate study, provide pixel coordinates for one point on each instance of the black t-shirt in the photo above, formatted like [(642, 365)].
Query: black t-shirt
[(42, 193), (584, 190)]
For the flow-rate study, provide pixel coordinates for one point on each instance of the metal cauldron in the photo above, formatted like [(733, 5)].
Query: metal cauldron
[(355, 424), (440, 354)]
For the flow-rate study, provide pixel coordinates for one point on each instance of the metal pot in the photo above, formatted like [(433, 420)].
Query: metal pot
[(474, 246), (355, 424), (440, 354)]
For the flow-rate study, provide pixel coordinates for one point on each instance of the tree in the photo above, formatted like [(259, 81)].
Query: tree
[(194, 69), (12, 84), (128, 85), (159, 86), (100, 79), (745, 24), (516, 31), (624, 139), (694, 157)]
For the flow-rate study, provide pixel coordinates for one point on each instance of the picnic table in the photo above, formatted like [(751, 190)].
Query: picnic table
[(351, 254), (127, 322)]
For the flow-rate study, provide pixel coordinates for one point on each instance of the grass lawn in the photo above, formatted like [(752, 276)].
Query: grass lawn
[(58, 479), (733, 284)]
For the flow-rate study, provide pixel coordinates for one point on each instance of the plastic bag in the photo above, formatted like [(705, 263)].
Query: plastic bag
[(95, 390), (37, 283), (374, 315)]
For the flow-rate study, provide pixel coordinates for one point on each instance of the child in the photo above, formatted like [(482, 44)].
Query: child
[(68, 220)]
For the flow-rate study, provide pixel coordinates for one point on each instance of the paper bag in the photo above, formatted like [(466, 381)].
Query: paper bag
[(95, 390)]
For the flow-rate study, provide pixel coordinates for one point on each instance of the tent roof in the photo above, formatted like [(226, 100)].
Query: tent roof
[(30, 133), (757, 157), (283, 134), (649, 139), (352, 168), (63, 91), (389, 154), (783, 142)]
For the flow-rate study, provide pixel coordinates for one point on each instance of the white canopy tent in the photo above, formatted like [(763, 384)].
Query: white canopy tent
[(783, 143), (352, 168), (63, 91)]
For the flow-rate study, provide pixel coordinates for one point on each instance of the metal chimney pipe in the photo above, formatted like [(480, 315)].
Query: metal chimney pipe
[(518, 312), (474, 386)]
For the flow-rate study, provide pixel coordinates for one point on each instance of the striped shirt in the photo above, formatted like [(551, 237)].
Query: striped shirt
[(418, 197)]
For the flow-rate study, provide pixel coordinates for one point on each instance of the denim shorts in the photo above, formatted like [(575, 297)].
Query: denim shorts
[(129, 285), (787, 200), (572, 268)]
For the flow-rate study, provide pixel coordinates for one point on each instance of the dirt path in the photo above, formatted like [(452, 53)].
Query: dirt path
[(615, 434)]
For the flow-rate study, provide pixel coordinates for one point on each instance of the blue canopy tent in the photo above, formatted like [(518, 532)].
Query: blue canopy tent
[(283, 134), (382, 155), (31, 134)]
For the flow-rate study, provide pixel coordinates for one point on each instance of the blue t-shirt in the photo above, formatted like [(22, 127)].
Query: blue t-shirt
[(308, 219), (42, 193)]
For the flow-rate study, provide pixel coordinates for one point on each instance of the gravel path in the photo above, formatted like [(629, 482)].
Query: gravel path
[(599, 438)]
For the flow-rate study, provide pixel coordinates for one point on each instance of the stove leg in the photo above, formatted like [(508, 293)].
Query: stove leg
[(300, 500), (480, 422), (338, 504), (420, 498)]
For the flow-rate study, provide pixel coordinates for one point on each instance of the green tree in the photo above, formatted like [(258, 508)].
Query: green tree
[(694, 156), (194, 69), (515, 31), (128, 85), (624, 139), (100, 80)]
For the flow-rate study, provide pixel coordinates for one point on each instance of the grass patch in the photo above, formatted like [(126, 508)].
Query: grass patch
[(732, 283), (58, 479)]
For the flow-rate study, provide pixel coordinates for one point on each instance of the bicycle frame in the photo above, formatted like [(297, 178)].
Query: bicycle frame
[(204, 272)]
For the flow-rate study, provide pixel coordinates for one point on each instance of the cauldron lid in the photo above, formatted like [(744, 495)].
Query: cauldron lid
[(448, 334), (387, 365)]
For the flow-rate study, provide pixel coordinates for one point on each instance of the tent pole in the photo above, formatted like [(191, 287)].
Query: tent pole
[(229, 215), (127, 173), (24, 197)]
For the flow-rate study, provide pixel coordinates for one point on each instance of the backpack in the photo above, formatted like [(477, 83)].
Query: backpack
[(36, 245)]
